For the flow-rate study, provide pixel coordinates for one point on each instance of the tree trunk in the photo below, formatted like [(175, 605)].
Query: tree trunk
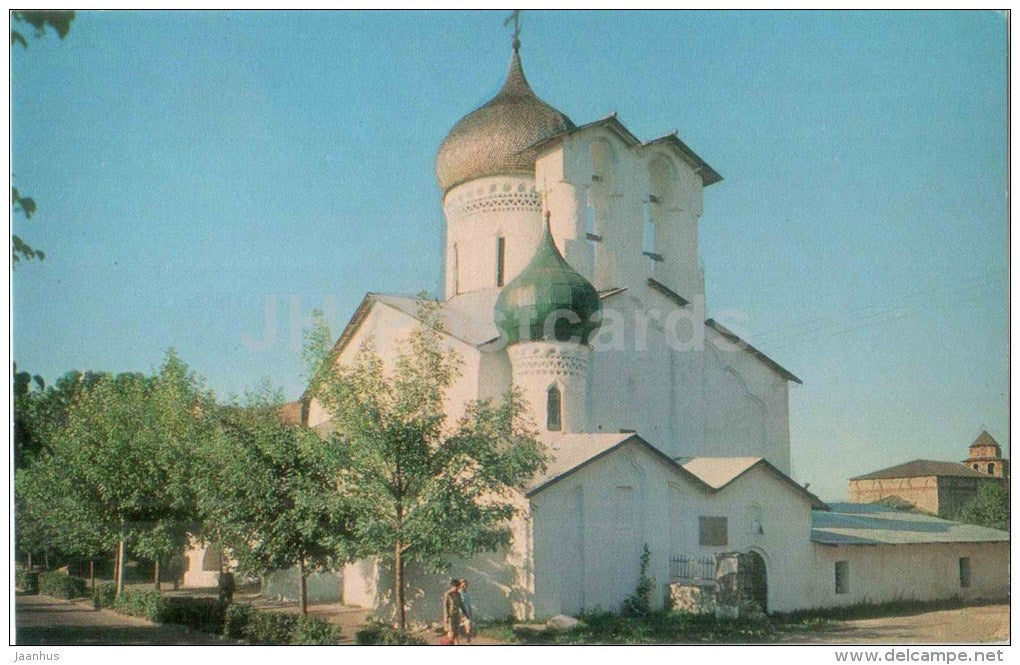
[(398, 585), (120, 566), (92, 574), (304, 588), (30, 560), (155, 574), (46, 560)]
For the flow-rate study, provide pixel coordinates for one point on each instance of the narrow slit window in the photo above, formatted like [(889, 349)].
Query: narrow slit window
[(554, 410), (591, 232), (648, 237), (500, 260), (964, 572), (456, 271), (842, 570)]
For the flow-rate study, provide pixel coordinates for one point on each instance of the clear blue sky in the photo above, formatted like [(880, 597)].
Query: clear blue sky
[(188, 166)]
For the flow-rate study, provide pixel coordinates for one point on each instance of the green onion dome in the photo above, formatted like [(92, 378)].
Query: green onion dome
[(548, 290), (498, 137)]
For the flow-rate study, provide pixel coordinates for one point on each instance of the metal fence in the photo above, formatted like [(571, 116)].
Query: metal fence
[(688, 568)]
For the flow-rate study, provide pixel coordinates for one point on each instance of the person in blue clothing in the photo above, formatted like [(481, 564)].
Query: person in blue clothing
[(467, 611)]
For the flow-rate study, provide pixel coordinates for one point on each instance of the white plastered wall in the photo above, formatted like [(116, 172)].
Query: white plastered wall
[(477, 214), (929, 571), (746, 402), (388, 329), (587, 553), (617, 185)]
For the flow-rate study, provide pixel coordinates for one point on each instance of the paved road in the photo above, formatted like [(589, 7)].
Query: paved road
[(42, 620)]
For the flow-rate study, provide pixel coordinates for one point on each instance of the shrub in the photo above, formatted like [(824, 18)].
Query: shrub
[(271, 628), (639, 603), (26, 581), (315, 630), (381, 634), (236, 620), (144, 604), (104, 595), (62, 585), (204, 614)]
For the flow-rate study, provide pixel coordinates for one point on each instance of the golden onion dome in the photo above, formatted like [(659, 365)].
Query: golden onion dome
[(496, 138)]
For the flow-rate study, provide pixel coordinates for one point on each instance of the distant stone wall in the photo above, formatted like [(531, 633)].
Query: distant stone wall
[(940, 495), (922, 493)]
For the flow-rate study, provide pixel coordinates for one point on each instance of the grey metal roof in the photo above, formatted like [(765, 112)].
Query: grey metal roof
[(922, 468), (874, 524)]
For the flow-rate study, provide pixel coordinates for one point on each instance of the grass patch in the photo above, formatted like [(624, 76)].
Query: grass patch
[(501, 630), (872, 611)]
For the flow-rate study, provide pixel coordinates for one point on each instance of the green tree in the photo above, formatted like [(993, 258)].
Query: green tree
[(28, 442), (51, 516), (268, 493), (39, 412), (421, 490), (46, 518), (116, 470), (38, 20), (989, 507), (100, 456), (175, 425)]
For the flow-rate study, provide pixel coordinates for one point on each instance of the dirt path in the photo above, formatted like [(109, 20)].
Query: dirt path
[(42, 620), (966, 625)]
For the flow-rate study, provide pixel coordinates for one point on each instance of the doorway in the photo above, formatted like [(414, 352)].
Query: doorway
[(756, 581)]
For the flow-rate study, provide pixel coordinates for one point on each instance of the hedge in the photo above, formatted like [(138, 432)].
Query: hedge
[(271, 628), (315, 630), (26, 581), (204, 614), (210, 616), (104, 595), (249, 624), (236, 619), (380, 634), (62, 585), (144, 604)]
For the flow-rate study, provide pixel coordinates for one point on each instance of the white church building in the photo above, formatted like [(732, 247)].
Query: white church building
[(573, 271)]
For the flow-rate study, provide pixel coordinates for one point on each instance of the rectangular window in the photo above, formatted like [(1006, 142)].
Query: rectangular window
[(964, 572), (712, 531), (842, 577), (500, 260)]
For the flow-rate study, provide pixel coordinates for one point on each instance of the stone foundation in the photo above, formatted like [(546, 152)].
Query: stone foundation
[(692, 597)]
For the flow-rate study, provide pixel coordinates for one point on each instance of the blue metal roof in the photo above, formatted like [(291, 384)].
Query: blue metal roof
[(875, 524)]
